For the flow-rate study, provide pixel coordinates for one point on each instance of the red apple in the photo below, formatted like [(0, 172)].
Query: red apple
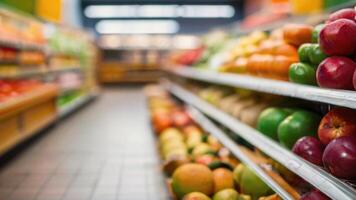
[(161, 121), (336, 123), (338, 38), (340, 157), (314, 195), (354, 79), (347, 13), (181, 118), (336, 72), (309, 148)]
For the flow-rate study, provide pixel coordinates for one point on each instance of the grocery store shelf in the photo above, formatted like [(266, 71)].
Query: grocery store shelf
[(7, 145), (21, 45), (27, 100), (336, 97), (206, 124), (76, 104), (37, 72), (319, 178)]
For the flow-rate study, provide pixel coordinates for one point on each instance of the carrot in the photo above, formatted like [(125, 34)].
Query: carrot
[(297, 34)]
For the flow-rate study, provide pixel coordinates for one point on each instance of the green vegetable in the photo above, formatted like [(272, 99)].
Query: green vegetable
[(316, 56), (302, 73), (315, 33), (303, 52)]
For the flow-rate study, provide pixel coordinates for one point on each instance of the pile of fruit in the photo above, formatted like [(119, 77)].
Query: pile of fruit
[(198, 166), (324, 55), (18, 29), (329, 142), (14, 88)]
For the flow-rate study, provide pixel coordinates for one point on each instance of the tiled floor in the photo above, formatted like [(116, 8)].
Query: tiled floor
[(104, 152)]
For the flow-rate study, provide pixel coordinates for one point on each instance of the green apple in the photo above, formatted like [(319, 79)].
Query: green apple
[(226, 194), (269, 121), (299, 124)]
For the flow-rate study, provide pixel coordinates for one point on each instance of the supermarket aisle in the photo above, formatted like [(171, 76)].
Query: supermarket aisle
[(106, 151)]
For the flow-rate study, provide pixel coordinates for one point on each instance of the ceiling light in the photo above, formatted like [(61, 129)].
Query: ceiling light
[(110, 11), (207, 11), (137, 26), (159, 11)]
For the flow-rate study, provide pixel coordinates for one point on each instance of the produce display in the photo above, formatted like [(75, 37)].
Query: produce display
[(15, 88), (39, 74), (197, 165), (324, 139), (20, 30), (322, 56)]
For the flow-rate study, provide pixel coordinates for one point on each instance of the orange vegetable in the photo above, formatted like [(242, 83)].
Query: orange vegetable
[(297, 34), (277, 48), (270, 66)]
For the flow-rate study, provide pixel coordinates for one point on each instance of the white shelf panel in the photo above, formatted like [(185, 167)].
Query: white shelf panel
[(336, 97)]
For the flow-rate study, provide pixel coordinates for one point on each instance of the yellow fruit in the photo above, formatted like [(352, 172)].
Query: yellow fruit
[(223, 179), (227, 194), (192, 178), (169, 134), (196, 196), (202, 149)]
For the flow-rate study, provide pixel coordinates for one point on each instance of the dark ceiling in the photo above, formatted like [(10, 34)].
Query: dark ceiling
[(187, 25)]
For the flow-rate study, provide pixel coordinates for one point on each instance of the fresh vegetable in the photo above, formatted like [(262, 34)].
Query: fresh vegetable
[(300, 123), (336, 123), (266, 65), (336, 72), (309, 148), (338, 38), (297, 34), (316, 32), (340, 157), (269, 121), (311, 53), (304, 51), (316, 55), (302, 73)]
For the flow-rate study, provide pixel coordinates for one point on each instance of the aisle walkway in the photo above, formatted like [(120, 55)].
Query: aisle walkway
[(104, 152)]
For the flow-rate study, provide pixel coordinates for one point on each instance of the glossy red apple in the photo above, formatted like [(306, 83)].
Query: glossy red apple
[(336, 123), (347, 13), (309, 148), (338, 38), (336, 72), (314, 195), (340, 157)]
